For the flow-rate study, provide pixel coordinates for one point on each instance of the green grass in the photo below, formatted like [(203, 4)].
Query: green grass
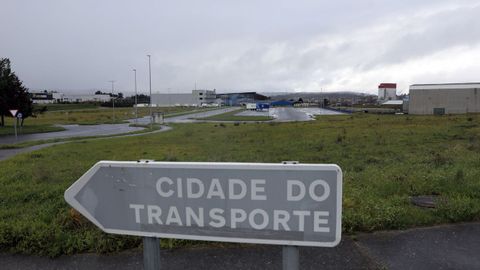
[(190, 112), (385, 160), (67, 107), (231, 116), (100, 115)]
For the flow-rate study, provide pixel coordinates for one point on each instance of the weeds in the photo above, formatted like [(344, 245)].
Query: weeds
[(379, 174)]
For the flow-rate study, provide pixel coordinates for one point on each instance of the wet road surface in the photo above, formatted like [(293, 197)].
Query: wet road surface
[(105, 129), (454, 246), (287, 114), (72, 131), (8, 153)]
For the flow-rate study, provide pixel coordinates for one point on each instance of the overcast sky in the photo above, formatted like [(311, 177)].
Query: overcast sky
[(259, 45)]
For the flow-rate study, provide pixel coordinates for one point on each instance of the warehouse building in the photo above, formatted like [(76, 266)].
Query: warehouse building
[(196, 98), (240, 98), (448, 98), (49, 97), (206, 97)]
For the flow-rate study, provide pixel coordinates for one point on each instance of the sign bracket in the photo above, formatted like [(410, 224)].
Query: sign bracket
[(151, 253)]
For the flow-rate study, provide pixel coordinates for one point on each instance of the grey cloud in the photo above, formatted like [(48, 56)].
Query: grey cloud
[(262, 45), (444, 30)]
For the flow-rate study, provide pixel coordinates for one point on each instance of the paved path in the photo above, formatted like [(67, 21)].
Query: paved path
[(8, 153), (72, 131), (454, 246)]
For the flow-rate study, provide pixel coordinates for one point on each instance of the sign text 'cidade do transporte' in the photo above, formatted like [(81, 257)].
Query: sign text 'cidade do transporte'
[(261, 203)]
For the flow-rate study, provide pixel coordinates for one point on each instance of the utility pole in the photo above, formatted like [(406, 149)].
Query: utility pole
[(113, 100), (150, 83), (136, 95)]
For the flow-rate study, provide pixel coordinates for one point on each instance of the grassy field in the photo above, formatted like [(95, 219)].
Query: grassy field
[(231, 116), (28, 129), (385, 160), (66, 107), (96, 115)]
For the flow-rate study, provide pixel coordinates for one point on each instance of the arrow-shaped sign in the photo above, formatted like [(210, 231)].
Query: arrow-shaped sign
[(287, 204)]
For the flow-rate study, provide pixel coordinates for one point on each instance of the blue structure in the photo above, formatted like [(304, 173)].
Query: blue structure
[(281, 103), (236, 99), (262, 106)]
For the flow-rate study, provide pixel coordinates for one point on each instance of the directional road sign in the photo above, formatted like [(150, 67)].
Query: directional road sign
[(260, 203)]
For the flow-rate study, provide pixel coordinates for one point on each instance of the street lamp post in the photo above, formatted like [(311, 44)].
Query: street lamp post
[(136, 96), (113, 100), (150, 84)]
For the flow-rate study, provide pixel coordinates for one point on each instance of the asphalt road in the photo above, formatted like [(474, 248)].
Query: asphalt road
[(187, 118), (345, 256), (287, 114), (442, 247), (453, 246)]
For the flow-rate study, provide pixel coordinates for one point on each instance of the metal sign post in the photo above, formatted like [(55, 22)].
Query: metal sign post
[(290, 254), (151, 253), (15, 127), (290, 258), (259, 203), (14, 114), (19, 116)]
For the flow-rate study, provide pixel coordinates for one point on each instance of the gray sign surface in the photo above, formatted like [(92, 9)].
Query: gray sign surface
[(261, 203)]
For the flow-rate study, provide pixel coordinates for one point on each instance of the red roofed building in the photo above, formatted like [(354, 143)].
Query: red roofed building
[(387, 91)]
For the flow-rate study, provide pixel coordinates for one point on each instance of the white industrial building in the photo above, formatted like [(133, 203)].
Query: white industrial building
[(45, 97), (86, 98), (49, 97), (196, 98), (448, 98), (387, 91)]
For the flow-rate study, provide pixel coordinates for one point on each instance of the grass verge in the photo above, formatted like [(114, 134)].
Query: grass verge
[(66, 106), (385, 160)]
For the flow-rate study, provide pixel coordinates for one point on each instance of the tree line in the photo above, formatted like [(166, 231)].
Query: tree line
[(13, 95)]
